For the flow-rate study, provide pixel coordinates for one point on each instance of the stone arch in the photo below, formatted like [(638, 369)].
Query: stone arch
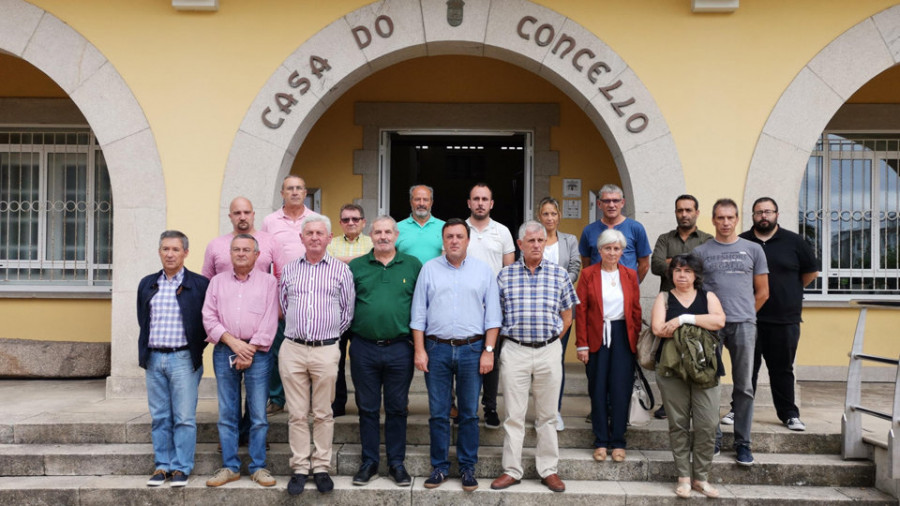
[(810, 101), (516, 31), (93, 84)]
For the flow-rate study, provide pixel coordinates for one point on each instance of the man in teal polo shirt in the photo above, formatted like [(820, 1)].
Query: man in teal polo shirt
[(420, 234), (381, 351)]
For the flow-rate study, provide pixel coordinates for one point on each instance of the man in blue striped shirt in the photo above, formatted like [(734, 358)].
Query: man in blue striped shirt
[(537, 298)]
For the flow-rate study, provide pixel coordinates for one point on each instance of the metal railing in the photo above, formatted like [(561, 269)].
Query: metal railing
[(853, 446)]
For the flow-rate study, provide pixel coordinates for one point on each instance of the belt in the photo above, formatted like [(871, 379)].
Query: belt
[(313, 342), (456, 342), (170, 350), (540, 344), (387, 342)]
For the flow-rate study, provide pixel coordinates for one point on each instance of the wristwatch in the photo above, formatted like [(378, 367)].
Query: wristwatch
[(489, 349)]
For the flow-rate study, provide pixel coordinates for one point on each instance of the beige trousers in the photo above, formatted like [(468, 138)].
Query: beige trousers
[(301, 366), (539, 369)]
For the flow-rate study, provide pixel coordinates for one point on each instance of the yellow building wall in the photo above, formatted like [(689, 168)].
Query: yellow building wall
[(326, 158), (714, 77), (55, 320)]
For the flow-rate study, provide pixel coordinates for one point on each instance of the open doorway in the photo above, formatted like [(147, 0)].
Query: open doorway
[(452, 163)]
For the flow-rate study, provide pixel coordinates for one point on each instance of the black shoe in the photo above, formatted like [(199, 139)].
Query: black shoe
[(660, 413), (366, 472), (437, 477), (323, 482), (297, 483), (400, 476), (491, 420), (469, 483)]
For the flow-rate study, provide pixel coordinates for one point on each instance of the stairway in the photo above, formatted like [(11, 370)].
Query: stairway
[(97, 451)]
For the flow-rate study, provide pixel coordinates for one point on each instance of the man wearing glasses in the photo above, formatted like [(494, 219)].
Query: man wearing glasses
[(637, 250), (345, 247), (792, 266), (285, 225)]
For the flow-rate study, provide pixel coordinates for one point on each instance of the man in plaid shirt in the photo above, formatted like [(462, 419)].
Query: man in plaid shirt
[(537, 298)]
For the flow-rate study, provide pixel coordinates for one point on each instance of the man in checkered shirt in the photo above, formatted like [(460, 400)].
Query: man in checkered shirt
[(537, 298), (170, 348)]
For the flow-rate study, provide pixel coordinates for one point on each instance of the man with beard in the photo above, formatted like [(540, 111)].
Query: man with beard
[(491, 243), (420, 234), (792, 266), (679, 241)]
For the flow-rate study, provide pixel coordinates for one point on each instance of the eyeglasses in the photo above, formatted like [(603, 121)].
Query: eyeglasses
[(354, 219), (767, 212), (610, 201)]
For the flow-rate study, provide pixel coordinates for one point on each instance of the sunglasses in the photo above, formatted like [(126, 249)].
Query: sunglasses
[(353, 219)]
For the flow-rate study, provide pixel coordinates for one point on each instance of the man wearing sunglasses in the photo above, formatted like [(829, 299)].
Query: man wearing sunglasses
[(345, 247)]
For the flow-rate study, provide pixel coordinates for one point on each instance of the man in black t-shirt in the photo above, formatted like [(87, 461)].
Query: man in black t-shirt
[(792, 266)]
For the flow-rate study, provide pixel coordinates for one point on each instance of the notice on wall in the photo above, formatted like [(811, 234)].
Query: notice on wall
[(572, 188), (571, 209)]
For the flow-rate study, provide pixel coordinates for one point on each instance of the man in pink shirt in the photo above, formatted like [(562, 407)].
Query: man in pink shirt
[(240, 315), (218, 252), (285, 225)]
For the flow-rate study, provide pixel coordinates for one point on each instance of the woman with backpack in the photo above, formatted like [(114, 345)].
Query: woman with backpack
[(687, 402)]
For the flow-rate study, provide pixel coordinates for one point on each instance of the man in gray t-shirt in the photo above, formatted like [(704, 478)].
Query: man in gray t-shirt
[(735, 269)]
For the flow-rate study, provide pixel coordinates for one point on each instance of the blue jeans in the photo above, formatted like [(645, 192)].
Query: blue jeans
[(228, 386), (172, 385), (611, 379), (444, 363), (372, 368)]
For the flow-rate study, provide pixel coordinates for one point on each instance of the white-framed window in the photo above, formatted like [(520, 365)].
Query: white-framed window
[(850, 213), (55, 212)]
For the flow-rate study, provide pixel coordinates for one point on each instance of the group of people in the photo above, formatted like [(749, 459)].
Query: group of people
[(282, 304)]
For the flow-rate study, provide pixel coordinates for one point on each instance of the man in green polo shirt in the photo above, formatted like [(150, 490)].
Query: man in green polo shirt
[(381, 351), (420, 234)]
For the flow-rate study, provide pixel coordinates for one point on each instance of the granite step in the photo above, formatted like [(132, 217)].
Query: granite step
[(131, 490), (768, 435), (577, 464)]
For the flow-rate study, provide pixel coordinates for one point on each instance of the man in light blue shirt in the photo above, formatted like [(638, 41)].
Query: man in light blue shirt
[(455, 319), (420, 234)]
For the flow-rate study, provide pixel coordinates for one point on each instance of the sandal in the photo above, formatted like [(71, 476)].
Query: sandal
[(706, 489), (618, 455), (683, 490), (600, 454)]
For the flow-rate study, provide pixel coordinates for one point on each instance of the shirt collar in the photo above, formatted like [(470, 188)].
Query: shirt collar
[(177, 279)]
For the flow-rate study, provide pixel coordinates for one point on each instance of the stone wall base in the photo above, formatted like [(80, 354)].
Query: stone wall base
[(26, 358)]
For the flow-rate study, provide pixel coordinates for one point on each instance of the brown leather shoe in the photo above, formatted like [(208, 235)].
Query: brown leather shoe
[(600, 454), (504, 481), (618, 455), (554, 483)]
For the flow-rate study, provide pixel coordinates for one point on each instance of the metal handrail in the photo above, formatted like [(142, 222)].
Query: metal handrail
[(851, 422)]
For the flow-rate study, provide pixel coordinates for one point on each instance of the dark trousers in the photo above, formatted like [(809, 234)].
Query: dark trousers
[(491, 381), (339, 406), (777, 344), (564, 341), (611, 378), (276, 389), (375, 368)]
